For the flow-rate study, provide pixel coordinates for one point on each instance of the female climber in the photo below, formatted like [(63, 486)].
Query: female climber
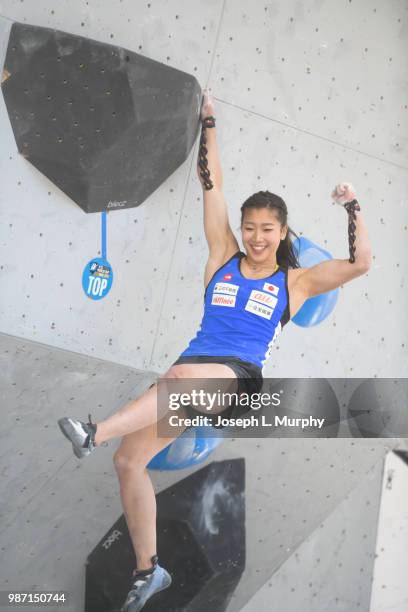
[(249, 297)]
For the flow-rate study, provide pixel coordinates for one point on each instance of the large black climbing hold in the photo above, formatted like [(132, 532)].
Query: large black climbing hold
[(106, 125), (201, 542)]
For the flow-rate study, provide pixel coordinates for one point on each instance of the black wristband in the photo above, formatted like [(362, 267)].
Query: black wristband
[(351, 208), (208, 122)]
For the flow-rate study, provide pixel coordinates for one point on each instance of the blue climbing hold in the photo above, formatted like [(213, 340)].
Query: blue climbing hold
[(191, 448), (315, 309)]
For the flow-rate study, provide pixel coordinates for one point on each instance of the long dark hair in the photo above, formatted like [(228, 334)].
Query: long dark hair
[(286, 254)]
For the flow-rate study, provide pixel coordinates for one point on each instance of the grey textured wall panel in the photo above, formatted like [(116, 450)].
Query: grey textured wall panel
[(331, 571), (319, 66), (55, 509), (36, 385), (5, 27), (390, 588)]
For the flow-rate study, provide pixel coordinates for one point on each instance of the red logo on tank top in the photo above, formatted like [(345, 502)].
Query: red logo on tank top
[(227, 277)]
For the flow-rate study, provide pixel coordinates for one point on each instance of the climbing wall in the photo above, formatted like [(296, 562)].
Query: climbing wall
[(306, 97)]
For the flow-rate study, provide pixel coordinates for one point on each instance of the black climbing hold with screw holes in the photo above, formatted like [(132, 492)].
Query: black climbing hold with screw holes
[(104, 124), (201, 542)]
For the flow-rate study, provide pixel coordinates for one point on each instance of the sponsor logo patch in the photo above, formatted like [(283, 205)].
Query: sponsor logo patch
[(271, 288), (226, 288), (265, 298), (223, 300), (259, 309)]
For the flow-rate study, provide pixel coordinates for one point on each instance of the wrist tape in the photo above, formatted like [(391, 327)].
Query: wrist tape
[(351, 208), (208, 122)]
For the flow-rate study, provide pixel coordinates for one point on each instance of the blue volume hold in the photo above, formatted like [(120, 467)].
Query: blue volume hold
[(315, 309)]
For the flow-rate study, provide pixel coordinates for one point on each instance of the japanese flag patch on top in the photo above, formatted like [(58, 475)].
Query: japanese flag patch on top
[(271, 288)]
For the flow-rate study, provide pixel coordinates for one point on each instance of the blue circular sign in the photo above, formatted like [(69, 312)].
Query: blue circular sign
[(97, 278)]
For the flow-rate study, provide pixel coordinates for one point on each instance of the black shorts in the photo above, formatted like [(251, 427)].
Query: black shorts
[(249, 375)]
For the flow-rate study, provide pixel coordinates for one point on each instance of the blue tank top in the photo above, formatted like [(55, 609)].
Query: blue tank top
[(242, 316)]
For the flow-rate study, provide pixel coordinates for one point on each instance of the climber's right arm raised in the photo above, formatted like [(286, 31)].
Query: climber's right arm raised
[(221, 241)]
